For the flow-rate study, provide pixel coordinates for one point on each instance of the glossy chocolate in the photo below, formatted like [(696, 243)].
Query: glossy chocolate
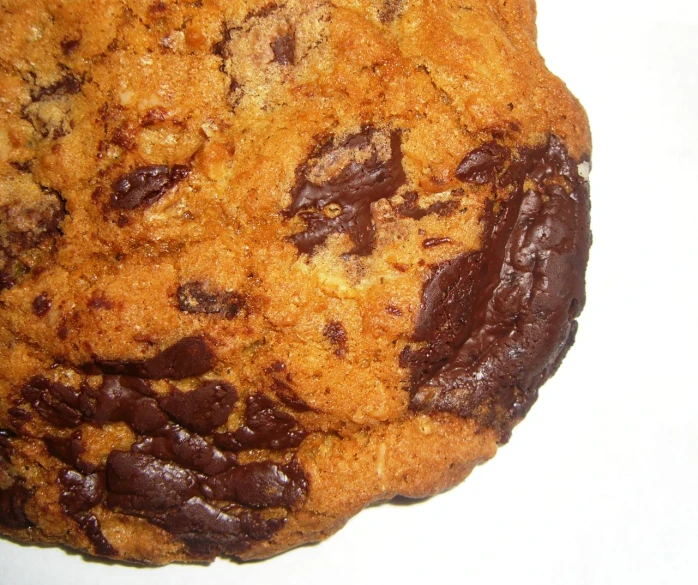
[(495, 324), (70, 451), (57, 403), (41, 305), (350, 176), (203, 409), (198, 297), (190, 356), (143, 186), (172, 475), (409, 207), (266, 427), (12, 503), (177, 444)]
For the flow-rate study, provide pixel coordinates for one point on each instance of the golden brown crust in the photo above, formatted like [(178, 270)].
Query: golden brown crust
[(164, 172)]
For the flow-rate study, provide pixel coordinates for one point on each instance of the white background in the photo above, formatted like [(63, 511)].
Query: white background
[(599, 484)]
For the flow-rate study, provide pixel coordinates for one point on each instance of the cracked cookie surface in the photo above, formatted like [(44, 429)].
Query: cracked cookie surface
[(263, 264)]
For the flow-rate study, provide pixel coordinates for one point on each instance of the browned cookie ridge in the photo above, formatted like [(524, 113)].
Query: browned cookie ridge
[(263, 264)]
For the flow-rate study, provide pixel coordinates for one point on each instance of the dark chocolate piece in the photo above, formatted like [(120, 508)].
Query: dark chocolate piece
[(145, 185), (18, 416), (143, 484), (209, 531), (6, 448), (259, 485), (29, 236), (284, 49), (13, 500), (172, 476), (89, 524), (197, 297), (410, 209), (55, 403), (203, 409), (122, 399), (68, 46), (173, 443), (495, 324), (335, 333), (41, 305), (266, 427), (190, 356), (80, 493), (483, 164), (349, 176), (288, 396), (67, 85), (69, 451), (173, 497), (22, 166)]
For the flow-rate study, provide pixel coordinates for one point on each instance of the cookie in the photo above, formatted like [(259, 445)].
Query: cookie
[(263, 264)]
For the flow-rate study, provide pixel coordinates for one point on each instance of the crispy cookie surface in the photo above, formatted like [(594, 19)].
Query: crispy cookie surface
[(264, 263)]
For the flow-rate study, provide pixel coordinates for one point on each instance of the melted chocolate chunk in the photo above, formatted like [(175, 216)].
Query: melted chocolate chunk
[(90, 526), (67, 85), (410, 209), (263, 12), (288, 396), (197, 297), (69, 451), (209, 531), (122, 399), (18, 416), (284, 49), (6, 448), (335, 333), (348, 177), (189, 357), (175, 498), (145, 185), (203, 409), (259, 485), (41, 305), (142, 484), (80, 493), (29, 235), (56, 403), (495, 324), (173, 443), (266, 427), (68, 46), (13, 501), (22, 166), (483, 164), (172, 476)]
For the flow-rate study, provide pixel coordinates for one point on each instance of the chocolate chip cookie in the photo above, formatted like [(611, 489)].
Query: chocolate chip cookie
[(263, 264)]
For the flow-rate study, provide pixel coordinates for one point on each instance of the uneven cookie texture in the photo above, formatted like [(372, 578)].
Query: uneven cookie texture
[(265, 263)]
